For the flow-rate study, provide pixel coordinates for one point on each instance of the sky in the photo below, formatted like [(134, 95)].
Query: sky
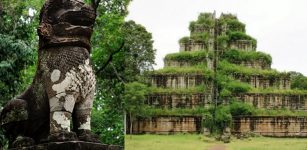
[(280, 26)]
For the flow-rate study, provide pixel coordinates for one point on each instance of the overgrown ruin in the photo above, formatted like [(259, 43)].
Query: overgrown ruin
[(218, 64)]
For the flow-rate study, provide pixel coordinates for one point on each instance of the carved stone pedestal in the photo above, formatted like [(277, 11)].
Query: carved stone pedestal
[(71, 145)]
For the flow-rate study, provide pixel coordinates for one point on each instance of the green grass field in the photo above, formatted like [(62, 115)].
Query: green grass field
[(198, 142)]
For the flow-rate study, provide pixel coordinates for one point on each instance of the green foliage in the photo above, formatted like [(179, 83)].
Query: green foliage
[(17, 43), (15, 56), (236, 56), (200, 37), (185, 70), (222, 42), (217, 119), (232, 23), (136, 56), (223, 117), (16, 21), (127, 62), (235, 25), (108, 125), (235, 36), (236, 87), (298, 81), (139, 52), (233, 69), (185, 39), (228, 86), (241, 109), (205, 20), (108, 114), (134, 97), (228, 16), (193, 57), (108, 36)]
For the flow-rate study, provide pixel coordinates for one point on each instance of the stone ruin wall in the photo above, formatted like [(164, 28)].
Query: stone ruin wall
[(167, 125), (178, 81), (169, 101), (282, 83), (244, 45), (256, 64), (273, 126), (173, 63), (281, 126), (199, 29), (196, 46), (258, 100), (275, 101)]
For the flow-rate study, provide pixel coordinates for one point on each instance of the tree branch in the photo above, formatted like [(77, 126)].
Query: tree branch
[(111, 58), (117, 74)]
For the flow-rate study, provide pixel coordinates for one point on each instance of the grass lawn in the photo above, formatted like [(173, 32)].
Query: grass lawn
[(198, 142)]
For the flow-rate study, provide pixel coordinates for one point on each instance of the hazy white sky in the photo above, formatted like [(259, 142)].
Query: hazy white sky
[(280, 26)]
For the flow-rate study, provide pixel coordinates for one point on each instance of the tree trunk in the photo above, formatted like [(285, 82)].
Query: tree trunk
[(125, 122), (131, 123)]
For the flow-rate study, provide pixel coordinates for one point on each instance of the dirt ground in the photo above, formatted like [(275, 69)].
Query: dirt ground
[(218, 147)]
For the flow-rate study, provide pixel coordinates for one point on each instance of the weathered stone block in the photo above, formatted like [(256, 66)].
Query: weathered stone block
[(245, 45), (179, 100), (274, 126), (257, 64), (259, 81), (173, 63), (177, 81), (275, 101), (167, 125)]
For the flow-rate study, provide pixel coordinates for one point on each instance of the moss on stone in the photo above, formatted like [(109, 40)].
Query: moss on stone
[(235, 56), (194, 70), (232, 69), (190, 56)]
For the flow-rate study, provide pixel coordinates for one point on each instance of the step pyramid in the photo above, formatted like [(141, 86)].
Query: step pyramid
[(217, 64)]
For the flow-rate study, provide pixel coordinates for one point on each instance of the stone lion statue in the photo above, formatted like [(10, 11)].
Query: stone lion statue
[(57, 105)]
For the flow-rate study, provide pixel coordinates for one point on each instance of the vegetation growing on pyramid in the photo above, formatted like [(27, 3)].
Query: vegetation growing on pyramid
[(192, 57), (232, 69), (235, 56), (199, 69), (227, 86), (205, 20)]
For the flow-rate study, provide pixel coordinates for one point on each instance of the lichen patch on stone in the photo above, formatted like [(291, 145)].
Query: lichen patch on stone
[(61, 120), (55, 75), (86, 125), (69, 103)]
